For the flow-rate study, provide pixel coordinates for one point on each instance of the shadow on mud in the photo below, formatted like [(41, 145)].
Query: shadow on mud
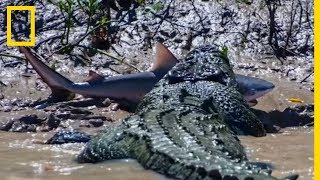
[(299, 115), (86, 113)]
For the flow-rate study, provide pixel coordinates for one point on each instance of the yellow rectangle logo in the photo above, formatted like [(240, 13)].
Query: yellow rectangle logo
[(32, 41)]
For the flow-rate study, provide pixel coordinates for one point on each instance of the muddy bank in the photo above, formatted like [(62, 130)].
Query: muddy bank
[(244, 27), (84, 115)]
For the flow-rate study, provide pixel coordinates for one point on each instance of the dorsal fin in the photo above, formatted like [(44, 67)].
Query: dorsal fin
[(93, 76), (164, 61)]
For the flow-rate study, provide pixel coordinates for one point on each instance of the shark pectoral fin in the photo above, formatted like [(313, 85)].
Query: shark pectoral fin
[(164, 61), (58, 95), (93, 76)]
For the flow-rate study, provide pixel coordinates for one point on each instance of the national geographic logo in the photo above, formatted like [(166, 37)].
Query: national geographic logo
[(32, 10)]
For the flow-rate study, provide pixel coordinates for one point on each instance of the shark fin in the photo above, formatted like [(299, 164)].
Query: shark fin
[(164, 61), (93, 76), (57, 83)]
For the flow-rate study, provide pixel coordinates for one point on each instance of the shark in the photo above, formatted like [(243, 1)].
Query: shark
[(129, 89), (253, 88)]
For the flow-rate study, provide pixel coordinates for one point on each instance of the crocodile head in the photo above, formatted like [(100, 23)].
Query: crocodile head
[(209, 73), (203, 63)]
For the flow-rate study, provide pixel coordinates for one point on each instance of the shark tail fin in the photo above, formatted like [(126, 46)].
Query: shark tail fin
[(58, 84), (164, 61)]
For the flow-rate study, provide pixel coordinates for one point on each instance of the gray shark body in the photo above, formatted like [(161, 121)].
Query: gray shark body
[(130, 87)]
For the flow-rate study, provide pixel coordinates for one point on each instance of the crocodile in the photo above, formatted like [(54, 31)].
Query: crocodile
[(186, 127)]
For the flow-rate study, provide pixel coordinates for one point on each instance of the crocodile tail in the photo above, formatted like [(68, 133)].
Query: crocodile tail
[(58, 84), (112, 144), (164, 61)]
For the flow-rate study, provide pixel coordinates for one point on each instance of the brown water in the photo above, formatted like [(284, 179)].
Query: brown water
[(290, 152), (21, 157)]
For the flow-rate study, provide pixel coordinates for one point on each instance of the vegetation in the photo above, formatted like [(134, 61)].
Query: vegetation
[(104, 20)]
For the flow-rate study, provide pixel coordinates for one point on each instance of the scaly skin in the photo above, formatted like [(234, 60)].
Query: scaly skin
[(186, 126)]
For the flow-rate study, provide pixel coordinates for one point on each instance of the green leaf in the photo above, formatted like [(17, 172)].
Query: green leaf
[(224, 52), (157, 6), (103, 20), (141, 2)]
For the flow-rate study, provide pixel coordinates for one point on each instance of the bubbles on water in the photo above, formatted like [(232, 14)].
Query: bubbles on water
[(311, 171), (68, 170), (28, 143), (41, 168), (70, 148)]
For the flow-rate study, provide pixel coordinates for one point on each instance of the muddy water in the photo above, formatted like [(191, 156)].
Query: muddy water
[(290, 152), (22, 157)]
